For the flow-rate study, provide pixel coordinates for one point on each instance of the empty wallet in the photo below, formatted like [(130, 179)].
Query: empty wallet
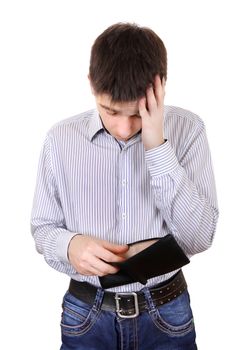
[(163, 256)]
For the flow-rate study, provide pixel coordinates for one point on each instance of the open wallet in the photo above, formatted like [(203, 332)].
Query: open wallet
[(159, 257)]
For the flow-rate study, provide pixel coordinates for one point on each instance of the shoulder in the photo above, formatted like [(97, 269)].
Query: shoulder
[(181, 127), (77, 122), (177, 115)]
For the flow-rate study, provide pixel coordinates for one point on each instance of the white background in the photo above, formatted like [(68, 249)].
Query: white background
[(45, 47)]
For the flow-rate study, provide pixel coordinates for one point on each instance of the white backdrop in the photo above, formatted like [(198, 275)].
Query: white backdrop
[(45, 47)]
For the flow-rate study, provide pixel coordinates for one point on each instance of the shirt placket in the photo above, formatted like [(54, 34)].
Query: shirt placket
[(123, 189)]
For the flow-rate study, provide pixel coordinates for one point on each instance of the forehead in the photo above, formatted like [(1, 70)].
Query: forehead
[(121, 107)]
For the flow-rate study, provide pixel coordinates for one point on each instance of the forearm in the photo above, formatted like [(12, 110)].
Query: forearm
[(47, 218), (188, 214), (74, 253), (188, 205), (52, 242)]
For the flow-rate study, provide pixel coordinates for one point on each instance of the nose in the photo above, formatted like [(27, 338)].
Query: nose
[(124, 128)]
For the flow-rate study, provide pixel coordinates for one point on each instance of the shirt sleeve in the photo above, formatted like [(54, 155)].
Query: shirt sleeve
[(184, 191), (47, 220)]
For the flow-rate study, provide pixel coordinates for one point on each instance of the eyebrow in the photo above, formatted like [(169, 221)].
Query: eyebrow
[(108, 108), (115, 110)]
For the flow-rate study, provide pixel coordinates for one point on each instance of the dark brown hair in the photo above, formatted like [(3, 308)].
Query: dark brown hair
[(124, 61)]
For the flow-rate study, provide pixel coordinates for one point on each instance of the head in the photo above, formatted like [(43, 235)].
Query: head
[(124, 61)]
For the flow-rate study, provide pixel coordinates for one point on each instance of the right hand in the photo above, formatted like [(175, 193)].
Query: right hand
[(90, 256)]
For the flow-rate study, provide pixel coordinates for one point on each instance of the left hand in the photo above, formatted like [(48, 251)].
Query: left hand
[(152, 115)]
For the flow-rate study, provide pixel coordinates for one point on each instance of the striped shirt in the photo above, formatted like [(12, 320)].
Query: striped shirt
[(90, 183)]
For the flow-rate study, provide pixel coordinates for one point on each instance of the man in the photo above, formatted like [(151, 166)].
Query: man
[(131, 171)]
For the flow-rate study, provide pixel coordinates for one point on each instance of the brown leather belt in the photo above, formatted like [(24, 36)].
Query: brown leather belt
[(129, 305)]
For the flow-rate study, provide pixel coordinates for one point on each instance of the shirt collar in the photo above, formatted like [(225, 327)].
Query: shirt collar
[(95, 125)]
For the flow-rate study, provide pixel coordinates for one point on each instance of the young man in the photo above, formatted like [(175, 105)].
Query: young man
[(130, 171)]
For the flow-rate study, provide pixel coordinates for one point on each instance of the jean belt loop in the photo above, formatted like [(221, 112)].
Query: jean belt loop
[(150, 304), (98, 299)]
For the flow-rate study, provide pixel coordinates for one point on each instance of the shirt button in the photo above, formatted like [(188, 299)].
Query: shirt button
[(124, 182), (124, 215)]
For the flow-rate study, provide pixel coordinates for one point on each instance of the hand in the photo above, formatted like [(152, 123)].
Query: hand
[(152, 115), (90, 256)]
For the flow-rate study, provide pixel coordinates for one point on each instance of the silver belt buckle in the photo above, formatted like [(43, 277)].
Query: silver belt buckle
[(119, 311)]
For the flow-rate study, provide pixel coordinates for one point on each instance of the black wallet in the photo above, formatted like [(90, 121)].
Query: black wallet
[(161, 257)]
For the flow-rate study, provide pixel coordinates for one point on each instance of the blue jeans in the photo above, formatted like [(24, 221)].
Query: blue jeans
[(87, 327)]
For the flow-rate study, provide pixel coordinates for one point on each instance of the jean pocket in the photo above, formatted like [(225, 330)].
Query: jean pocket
[(174, 318), (77, 317)]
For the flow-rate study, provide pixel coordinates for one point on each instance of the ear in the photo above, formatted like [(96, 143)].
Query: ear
[(91, 85)]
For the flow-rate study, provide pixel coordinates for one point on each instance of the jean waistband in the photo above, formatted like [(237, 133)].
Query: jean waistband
[(130, 303)]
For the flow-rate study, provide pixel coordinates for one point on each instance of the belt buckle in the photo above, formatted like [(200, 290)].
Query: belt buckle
[(119, 311)]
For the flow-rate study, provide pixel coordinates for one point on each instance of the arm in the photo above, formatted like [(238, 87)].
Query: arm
[(66, 251), (47, 219), (184, 191)]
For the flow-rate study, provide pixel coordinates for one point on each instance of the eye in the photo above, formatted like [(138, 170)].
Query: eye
[(110, 112)]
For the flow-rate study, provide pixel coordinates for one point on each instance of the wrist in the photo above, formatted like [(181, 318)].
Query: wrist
[(161, 160), (69, 244), (154, 144)]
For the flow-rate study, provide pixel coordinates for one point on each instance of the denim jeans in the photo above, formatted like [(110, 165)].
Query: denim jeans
[(87, 327)]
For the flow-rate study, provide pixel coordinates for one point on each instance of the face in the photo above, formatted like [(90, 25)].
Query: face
[(121, 119)]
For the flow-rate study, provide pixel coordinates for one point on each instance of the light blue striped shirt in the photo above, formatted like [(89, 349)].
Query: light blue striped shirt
[(91, 184)]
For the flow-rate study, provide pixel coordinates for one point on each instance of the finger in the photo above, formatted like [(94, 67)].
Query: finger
[(86, 268), (108, 256), (159, 89), (142, 108), (97, 267), (164, 82), (102, 268), (90, 271), (151, 99)]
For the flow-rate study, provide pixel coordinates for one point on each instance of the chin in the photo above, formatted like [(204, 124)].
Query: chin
[(122, 139)]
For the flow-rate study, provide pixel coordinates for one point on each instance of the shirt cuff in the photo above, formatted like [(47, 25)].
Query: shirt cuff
[(63, 241), (161, 160)]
